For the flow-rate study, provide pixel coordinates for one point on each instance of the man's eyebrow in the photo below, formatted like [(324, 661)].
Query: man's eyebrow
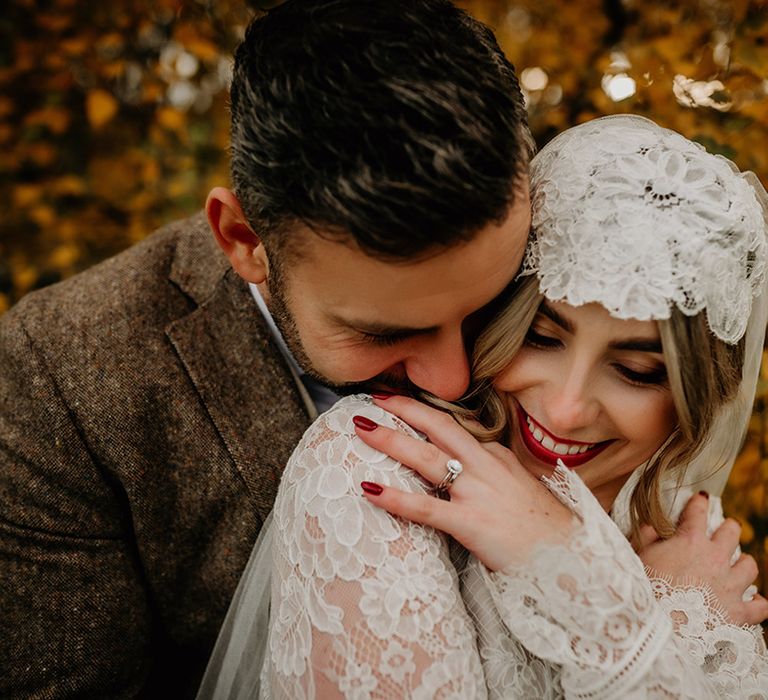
[(637, 344)]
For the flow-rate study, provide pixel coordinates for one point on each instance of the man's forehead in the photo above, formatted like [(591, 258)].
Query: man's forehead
[(315, 243)]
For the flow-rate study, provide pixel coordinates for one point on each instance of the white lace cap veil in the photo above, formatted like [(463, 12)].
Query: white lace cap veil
[(639, 219), (618, 207)]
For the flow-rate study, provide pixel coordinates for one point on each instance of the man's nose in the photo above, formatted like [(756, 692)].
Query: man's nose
[(440, 366)]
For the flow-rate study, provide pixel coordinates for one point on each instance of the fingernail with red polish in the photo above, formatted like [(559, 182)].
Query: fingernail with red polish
[(371, 487), (704, 493), (364, 423), (381, 395)]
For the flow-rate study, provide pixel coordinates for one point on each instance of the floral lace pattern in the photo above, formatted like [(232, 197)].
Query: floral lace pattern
[(365, 605), (591, 191), (734, 656)]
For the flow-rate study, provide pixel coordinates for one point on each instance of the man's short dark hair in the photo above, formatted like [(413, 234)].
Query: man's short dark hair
[(399, 123)]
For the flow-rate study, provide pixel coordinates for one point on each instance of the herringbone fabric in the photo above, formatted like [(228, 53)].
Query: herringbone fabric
[(145, 418)]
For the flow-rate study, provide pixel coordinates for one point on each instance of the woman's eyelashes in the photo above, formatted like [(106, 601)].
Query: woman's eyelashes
[(539, 340), (657, 376), (654, 377)]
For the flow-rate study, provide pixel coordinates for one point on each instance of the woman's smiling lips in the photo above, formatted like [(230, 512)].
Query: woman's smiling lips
[(547, 448)]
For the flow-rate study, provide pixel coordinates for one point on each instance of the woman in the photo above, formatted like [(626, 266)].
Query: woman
[(620, 375)]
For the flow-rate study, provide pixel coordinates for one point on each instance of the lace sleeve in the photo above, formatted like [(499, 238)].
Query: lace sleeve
[(734, 657), (590, 609), (364, 605)]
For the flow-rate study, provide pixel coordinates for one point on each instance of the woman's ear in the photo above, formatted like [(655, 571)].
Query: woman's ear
[(235, 236)]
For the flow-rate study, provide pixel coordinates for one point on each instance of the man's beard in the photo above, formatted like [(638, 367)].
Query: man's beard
[(286, 324)]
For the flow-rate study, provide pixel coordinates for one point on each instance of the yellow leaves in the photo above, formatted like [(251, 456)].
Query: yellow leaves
[(26, 195), (747, 533), (55, 119), (171, 119), (110, 44), (43, 215), (24, 276), (68, 186), (63, 256), (53, 23), (40, 154), (202, 48), (75, 46), (752, 55), (100, 107), (113, 70)]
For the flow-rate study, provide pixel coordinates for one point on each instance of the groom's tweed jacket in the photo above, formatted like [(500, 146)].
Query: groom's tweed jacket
[(145, 418)]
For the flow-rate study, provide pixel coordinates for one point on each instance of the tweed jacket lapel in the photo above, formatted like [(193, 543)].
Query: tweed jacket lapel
[(229, 355)]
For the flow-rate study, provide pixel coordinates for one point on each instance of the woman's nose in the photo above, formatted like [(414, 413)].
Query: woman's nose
[(570, 405)]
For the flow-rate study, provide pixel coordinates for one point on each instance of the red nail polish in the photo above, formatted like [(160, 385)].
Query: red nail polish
[(381, 395), (370, 487), (364, 423), (704, 493)]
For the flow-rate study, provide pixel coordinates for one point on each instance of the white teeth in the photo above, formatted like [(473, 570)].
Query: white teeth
[(551, 445)]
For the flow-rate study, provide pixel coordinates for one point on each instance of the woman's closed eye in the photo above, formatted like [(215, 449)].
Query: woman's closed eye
[(541, 340), (649, 377), (640, 376)]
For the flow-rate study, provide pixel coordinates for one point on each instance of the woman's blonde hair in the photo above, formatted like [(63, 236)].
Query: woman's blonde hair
[(703, 373)]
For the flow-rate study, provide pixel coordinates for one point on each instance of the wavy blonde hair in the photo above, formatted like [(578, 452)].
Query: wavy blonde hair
[(703, 373)]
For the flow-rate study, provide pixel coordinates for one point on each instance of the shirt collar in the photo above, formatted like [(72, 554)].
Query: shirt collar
[(321, 395)]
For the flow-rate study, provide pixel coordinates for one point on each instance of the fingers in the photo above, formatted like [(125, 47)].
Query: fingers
[(728, 534), (693, 519), (438, 426), (756, 610), (646, 536), (415, 507), (744, 571), (423, 457)]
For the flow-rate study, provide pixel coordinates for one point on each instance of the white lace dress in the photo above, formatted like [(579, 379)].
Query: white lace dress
[(365, 605)]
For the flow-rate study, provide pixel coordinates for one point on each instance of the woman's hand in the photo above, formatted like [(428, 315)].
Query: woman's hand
[(497, 509), (690, 556)]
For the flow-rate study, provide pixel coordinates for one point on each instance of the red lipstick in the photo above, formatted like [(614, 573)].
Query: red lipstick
[(548, 456)]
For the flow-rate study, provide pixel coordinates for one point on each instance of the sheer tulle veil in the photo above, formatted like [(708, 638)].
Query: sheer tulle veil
[(235, 666)]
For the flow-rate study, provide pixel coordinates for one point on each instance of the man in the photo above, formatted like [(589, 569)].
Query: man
[(379, 154)]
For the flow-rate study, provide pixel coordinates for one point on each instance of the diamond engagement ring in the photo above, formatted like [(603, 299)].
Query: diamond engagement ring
[(454, 468)]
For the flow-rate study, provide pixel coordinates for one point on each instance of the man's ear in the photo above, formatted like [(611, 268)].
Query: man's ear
[(235, 236)]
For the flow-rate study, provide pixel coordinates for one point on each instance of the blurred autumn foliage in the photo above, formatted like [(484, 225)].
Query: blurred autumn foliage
[(113, 120)]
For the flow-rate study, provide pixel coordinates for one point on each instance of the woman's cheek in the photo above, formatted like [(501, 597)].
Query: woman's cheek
[(648, 415)]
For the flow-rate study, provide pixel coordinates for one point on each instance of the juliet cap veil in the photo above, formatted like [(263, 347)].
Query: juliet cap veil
[(639, 219)]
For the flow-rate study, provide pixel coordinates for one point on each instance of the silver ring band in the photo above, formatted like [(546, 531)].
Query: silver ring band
[(454, 468)]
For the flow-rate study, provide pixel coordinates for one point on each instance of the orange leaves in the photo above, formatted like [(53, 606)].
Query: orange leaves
[(26, 195), (55, 119), (171, 119), (100, 107)]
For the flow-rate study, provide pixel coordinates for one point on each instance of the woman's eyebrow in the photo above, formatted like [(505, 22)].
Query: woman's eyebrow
[(555, 317), (640, 344)]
